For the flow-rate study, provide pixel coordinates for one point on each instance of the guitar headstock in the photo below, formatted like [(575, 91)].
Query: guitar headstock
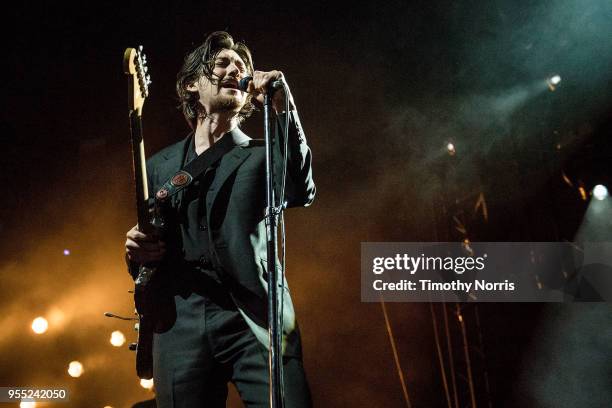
[(135, 65)]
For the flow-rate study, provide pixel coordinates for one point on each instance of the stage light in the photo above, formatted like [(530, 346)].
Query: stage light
[(451, 149), (75, 369), (40, 325), (600, 192), (28, 404), (553, 81), (117, 338), (148, 384)]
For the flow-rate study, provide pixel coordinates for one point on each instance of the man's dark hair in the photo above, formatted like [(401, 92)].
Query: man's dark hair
[(201, 61)]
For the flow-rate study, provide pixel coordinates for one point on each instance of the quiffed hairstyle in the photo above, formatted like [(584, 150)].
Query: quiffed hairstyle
[(201, 61)]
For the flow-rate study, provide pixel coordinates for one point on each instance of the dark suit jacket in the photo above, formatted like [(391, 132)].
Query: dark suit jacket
[(235, 204)]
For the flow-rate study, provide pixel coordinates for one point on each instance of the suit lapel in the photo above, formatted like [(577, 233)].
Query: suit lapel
[(229, 163), (175, 158)]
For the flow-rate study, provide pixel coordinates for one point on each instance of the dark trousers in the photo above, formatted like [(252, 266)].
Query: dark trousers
[(209, 345)]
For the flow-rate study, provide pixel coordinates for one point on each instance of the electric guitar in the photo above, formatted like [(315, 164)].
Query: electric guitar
[(134, 66)]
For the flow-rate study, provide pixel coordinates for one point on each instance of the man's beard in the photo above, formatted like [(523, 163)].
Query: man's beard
[(226, 104)]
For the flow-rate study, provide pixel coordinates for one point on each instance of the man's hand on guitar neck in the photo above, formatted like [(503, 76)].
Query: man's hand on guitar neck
[(142, 248)]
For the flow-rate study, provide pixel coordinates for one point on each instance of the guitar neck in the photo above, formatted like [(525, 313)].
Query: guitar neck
[(140, 173)]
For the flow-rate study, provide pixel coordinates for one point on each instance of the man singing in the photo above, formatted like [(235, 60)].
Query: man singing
[(213, 255)]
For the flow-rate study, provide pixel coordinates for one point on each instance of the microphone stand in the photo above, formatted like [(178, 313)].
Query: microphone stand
[(271, 218)]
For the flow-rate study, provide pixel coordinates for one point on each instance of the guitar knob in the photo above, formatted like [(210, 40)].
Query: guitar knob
[(137, 326), (133, 346)]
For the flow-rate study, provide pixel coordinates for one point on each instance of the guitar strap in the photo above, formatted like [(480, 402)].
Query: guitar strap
[(184, 177)]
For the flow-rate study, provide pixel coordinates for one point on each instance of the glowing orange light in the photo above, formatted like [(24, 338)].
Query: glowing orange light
[(56, 317), (583, 193), (117, 338), (148, 384), (75, 369), (40, 325)]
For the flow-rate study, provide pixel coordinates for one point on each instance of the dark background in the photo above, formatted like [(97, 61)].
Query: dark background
[(381, 90)]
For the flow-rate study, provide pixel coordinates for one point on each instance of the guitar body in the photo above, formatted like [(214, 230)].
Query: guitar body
[(144, 300)]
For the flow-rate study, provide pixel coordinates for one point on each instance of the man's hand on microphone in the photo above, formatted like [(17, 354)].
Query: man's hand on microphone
[(259, 85), (143, 248)]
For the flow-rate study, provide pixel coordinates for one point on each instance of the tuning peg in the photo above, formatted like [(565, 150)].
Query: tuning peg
[(145, 68), (144, 58), (140, 47)]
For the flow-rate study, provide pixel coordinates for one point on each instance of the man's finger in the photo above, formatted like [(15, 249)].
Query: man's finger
[(145, 246), (139, 236)]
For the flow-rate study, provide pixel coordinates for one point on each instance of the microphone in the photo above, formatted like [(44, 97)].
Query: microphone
[(243, 84)]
